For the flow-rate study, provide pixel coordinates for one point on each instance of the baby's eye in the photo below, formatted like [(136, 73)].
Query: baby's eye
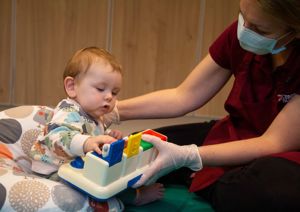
[(100, 89), (115, 93)]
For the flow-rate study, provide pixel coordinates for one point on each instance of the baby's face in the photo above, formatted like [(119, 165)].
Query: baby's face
[(97, 91)]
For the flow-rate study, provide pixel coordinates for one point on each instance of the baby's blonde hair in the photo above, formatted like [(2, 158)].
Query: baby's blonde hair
[(81, 61)]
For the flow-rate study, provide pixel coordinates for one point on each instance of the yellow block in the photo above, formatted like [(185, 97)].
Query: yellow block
[(133, 145)]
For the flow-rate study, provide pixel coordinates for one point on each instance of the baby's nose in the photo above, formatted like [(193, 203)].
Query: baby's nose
[(108, 96)]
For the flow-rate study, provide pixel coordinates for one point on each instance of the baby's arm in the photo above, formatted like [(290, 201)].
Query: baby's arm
[(66, 134), (72, 142)]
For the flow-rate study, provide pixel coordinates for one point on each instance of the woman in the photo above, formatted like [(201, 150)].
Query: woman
[(251, 156)]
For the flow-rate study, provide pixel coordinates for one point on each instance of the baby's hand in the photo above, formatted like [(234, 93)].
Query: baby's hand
[(117, 134), (94, 143)]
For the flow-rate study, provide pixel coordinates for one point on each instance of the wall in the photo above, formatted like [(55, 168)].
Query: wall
[(158, 43)]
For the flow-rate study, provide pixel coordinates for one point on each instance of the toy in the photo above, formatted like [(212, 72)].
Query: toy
[(117, 168)]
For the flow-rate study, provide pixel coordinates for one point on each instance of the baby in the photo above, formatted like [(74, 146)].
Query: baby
[(92, 80)]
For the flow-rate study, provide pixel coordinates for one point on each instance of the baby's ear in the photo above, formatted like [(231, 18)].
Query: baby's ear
[(69, 84)]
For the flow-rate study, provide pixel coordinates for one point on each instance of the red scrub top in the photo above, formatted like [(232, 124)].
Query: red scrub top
[(257, 96)]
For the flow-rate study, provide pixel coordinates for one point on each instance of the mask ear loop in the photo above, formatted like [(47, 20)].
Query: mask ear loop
[(283, 47)]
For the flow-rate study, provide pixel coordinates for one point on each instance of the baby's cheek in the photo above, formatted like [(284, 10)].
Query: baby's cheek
[(96, 99)]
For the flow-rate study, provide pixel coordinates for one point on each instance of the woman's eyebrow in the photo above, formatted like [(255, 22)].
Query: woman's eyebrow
[(258, 26)]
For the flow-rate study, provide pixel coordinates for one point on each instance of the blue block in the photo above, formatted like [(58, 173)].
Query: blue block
[(115, 153)]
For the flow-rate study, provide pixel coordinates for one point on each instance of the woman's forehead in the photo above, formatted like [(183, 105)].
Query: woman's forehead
[(253, 13)]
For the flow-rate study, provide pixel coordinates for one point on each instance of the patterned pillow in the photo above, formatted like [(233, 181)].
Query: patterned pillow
[(20, 189)]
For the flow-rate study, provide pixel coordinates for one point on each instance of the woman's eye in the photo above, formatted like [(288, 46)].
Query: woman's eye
[(261, 32)]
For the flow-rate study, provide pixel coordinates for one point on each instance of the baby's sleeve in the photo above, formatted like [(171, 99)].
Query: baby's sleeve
[(64, 135)]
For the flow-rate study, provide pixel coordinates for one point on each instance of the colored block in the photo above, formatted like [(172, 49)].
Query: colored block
[(133, 145), (114, 152), (157, 134), (146, 145)]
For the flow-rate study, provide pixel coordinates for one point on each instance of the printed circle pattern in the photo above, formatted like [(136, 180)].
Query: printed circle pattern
[(19, 112), (27, 140), (2, 195), (28, 195), (74, 201), (10, 131), (2, 172)]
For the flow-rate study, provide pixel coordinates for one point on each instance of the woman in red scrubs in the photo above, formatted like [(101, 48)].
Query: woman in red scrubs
[(250, 159)]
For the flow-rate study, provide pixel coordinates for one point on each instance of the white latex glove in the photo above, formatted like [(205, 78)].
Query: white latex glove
[(170, 157)]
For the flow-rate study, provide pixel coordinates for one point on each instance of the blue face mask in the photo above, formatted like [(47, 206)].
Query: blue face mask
[(256, 43)]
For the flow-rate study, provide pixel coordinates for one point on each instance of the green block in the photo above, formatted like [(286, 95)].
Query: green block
[(146, 145)]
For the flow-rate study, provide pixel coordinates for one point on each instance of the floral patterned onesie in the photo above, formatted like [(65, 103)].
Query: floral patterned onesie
[(63, 137)]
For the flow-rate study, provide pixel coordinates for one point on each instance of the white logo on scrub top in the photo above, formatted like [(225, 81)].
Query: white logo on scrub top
[(285, 98)]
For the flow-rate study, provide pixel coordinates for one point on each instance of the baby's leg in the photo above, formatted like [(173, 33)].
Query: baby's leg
[(143, 195), (148, 194)]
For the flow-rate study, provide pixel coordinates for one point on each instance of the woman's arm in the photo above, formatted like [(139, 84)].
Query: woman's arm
[(282, 135), (199, 87)]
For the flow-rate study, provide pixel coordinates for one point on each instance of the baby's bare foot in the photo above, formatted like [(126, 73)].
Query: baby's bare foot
[(150, 193)]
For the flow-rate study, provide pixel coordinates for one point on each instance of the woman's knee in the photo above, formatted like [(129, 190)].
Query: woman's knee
[(266, 184)]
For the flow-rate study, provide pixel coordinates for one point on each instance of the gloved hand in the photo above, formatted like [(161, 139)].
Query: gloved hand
[(170, 157)]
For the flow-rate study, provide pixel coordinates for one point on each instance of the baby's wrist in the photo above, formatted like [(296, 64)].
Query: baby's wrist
[(77, 144), (85, 145)]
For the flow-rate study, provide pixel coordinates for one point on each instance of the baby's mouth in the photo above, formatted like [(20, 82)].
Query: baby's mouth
[(106, 107)]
